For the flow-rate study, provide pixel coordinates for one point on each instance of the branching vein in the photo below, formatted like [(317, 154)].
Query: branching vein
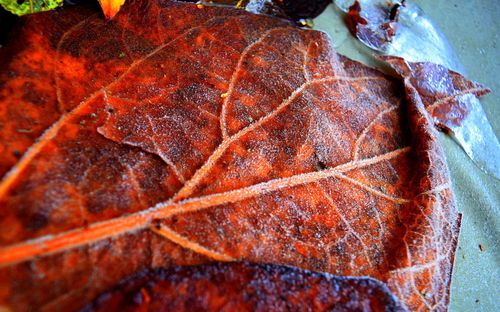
[(98, 231), (430, 108)]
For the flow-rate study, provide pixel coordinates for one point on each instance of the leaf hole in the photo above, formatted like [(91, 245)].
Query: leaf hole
[(320, 166)]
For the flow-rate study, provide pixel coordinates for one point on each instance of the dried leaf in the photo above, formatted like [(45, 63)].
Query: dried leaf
[(446, 94), (245, 287), (374, 26), (210, 134), (111, 7), (22, 7)]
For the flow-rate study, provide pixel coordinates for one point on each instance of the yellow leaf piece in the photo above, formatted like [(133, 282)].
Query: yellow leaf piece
[(111, 7), (307, 22)]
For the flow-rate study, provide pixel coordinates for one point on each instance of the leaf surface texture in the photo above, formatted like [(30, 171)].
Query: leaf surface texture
[(210, 134)]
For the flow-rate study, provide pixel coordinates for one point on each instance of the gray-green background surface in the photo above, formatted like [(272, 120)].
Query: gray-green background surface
[(473, 28)]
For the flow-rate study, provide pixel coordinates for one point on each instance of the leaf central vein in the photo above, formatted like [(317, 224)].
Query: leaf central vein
[(50, 244)]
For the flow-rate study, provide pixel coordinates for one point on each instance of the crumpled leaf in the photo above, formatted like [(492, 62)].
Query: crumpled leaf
[(111, 7), (22, 7), (401, 28), (244, 287), (446, 95), (213, 134), (453, 102)]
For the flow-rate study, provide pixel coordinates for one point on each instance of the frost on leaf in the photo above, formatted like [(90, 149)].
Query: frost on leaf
[(121, 155)]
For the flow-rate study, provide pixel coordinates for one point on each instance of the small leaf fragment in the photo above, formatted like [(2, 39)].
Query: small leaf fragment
[(29, 6), (309, 23), (111, 7)]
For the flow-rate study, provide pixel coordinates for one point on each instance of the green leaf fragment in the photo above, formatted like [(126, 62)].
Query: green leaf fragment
[(23, 7)]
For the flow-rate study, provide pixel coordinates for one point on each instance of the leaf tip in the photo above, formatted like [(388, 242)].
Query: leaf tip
[(111, 7)]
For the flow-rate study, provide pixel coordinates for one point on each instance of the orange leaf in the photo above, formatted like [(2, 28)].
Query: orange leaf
[(111, 7)]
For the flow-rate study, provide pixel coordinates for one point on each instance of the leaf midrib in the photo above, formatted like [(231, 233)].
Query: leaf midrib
[(50, 244)]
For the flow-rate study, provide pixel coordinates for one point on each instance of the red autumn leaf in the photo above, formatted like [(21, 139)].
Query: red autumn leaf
[(245, 287), (210, 134)]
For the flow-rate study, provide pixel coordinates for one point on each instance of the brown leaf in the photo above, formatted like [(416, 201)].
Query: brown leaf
[(245, 287), (210, 134), (445, 94)]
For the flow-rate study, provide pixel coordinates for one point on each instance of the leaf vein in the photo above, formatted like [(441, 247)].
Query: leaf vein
[(372, 190), (431, 107), (188, 187), (9, 178), (180, 240), (50, 244), (367, 128), (234, 77)]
